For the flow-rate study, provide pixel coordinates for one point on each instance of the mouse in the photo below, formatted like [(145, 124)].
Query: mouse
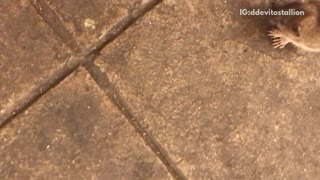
[(303, 31)]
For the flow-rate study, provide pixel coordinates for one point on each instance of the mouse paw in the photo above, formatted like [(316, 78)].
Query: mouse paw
[(279, 41), (275, 33)]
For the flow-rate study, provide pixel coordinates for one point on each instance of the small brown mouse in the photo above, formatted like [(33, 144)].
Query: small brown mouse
[(303, 31)]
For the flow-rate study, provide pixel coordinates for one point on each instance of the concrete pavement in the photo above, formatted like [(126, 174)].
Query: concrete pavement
[(191, 90)]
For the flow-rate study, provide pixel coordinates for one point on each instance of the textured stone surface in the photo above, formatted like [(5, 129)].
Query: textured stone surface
[(87, 19), (75, 133), (212, 90), (28, 49), (202, 80)]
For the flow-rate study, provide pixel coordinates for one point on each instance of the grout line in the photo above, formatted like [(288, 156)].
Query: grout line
[(51, 19), (27, 98), (102, 80), (105, 85)]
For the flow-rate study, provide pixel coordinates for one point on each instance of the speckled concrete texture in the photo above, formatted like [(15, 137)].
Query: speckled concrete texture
[(203, 95), (28, 49), (75, 133), (214, 92)]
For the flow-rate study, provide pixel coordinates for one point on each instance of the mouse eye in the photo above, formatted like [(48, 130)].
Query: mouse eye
[(296, 30)]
